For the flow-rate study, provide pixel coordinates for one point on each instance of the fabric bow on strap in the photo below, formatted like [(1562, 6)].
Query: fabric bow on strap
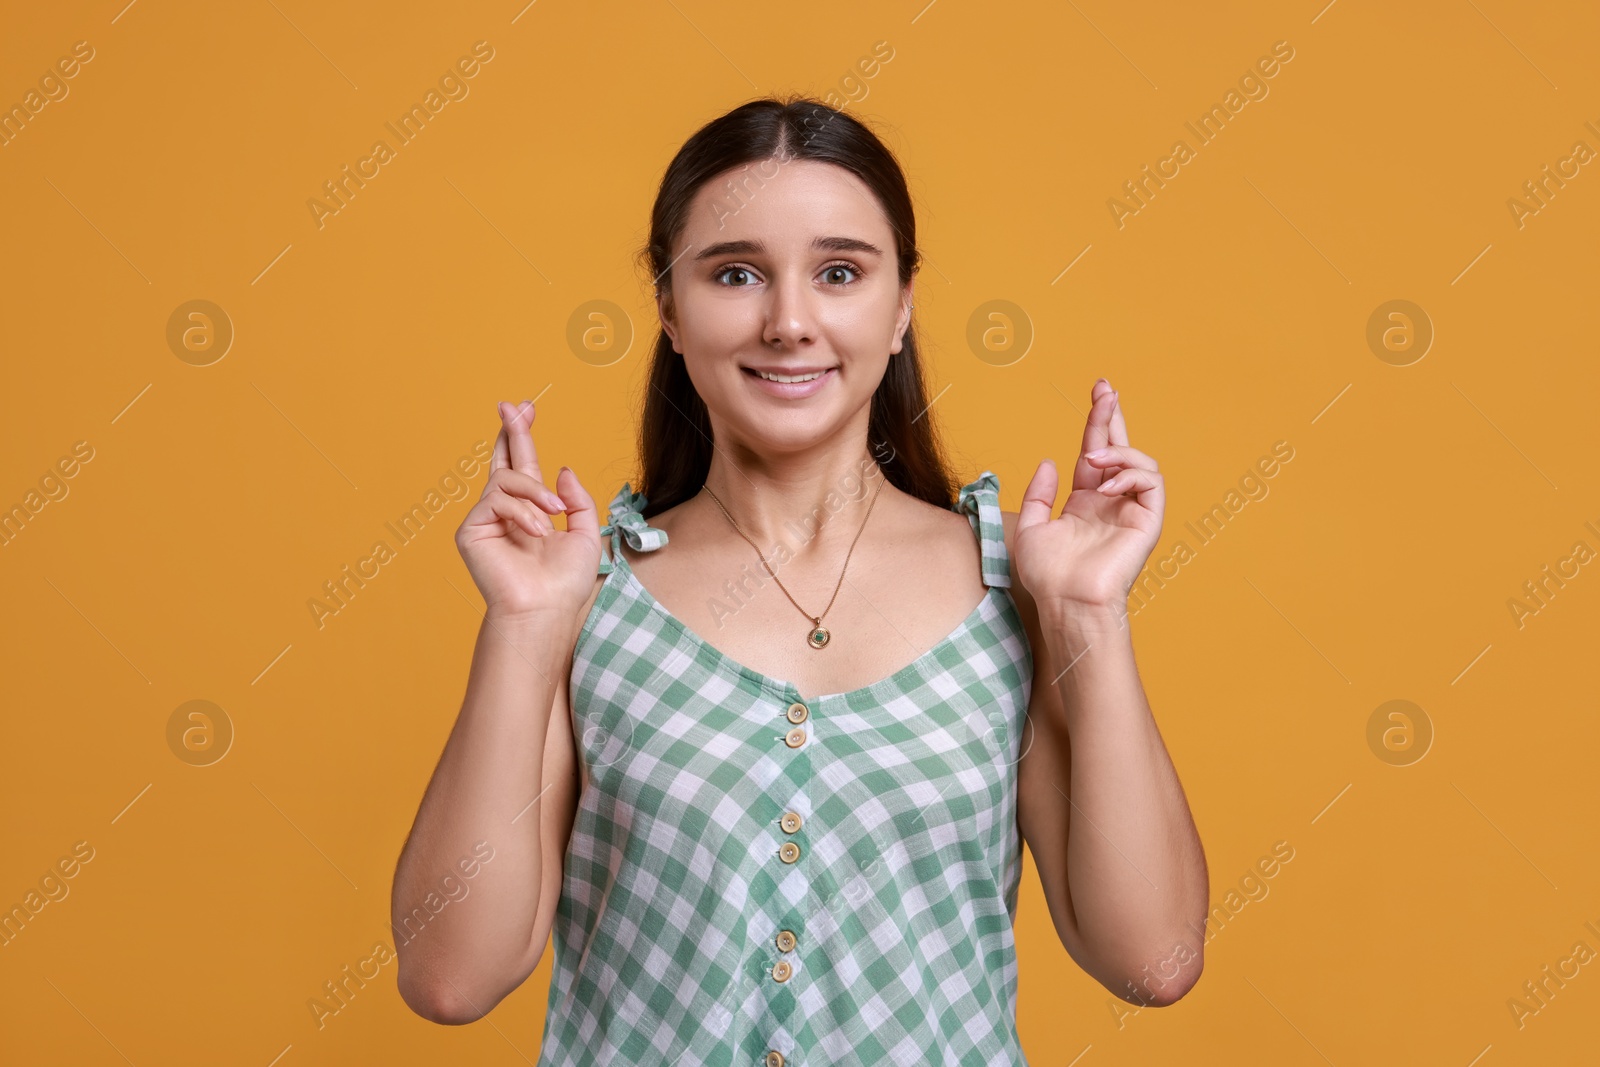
[(627, 518)]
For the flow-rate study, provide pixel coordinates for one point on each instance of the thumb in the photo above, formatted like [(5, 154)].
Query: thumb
[(582, 516), (1039, 499)]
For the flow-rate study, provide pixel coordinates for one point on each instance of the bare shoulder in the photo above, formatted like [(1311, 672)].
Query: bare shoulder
[(943, 536)]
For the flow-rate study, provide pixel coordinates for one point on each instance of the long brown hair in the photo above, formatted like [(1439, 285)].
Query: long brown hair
[(675, 432)]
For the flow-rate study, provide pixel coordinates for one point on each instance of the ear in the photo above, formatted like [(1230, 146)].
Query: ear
[(665, 310), (903, 320)]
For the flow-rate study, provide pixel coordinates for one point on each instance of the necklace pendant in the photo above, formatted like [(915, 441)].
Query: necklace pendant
[(819, 636)]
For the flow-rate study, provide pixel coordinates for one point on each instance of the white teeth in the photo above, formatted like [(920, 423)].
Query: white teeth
[(791, 377)]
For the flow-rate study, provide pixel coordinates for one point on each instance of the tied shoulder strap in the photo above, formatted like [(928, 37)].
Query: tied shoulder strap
[(627, 521), (980, 500)]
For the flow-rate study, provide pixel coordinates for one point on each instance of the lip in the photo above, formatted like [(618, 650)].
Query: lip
[(790, 390)]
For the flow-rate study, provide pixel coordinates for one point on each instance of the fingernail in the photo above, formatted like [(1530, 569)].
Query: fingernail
[(1097, 453)]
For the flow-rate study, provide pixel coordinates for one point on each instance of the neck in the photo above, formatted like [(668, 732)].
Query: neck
[(808, 503)]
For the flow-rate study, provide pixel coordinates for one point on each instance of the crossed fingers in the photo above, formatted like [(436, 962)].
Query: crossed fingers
[(1108, 463), (515, 474)]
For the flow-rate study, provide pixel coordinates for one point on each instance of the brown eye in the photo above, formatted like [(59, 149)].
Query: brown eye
[(831, 273), (733, 270)]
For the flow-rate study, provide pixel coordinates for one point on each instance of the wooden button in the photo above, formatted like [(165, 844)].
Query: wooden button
[(781, 971), (774, 1058), (790, 821), (798, 712), (786, 940), (788, 852), (795, 738)]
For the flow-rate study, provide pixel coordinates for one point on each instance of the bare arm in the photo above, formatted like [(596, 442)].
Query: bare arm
[(1106, 819), (477, 883), (507, 779), (1099, 801)]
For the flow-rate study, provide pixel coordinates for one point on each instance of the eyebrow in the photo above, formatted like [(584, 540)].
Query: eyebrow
[(756, 248)]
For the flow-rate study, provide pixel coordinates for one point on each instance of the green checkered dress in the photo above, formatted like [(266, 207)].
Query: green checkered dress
[(757, 879)]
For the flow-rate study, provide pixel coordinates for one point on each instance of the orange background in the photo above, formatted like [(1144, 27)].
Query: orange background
[(1231, 311)]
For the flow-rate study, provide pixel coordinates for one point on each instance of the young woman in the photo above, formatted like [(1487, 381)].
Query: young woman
[(761, 750)]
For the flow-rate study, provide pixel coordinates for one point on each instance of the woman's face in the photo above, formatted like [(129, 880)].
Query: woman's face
[(794, 275)]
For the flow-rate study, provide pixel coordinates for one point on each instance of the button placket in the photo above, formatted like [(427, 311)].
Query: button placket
[(782, 970), (796, 716), (797, 712)]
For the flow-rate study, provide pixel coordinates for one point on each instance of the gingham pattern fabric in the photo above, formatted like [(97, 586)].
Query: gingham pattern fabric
[(724, 814), (626, 519)]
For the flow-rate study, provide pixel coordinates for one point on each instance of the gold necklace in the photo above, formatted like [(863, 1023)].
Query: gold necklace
[(818, 635)]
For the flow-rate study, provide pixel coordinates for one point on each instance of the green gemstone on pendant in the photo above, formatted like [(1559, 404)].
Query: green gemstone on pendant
[(819, 637)]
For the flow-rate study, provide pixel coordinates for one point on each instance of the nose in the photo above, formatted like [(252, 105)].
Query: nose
[(791, 319)]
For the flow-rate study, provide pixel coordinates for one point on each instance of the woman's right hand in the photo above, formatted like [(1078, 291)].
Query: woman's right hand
[(521, 563)]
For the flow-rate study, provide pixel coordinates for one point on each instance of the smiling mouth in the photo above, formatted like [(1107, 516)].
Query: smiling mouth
[(810, 376)]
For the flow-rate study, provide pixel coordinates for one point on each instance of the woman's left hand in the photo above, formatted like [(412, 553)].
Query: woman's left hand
[(1089, 557)]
